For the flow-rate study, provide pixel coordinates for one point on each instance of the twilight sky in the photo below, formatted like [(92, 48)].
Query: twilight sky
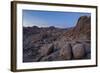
[(51, 18)]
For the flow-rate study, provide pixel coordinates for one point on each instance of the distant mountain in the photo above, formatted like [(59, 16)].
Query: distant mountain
[(55, 44)]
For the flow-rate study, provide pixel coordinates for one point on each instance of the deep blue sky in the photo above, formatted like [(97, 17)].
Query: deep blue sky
[(51, 18)]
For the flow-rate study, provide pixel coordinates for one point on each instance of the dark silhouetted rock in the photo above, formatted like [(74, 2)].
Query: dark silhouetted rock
[(52, 27), (88, 56)]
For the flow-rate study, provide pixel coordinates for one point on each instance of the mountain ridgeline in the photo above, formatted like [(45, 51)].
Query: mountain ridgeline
[(57, 44)]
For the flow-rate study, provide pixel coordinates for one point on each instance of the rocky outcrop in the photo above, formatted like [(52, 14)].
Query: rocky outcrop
[(78, 51), (66, 52), (82, 30), (46, 49)]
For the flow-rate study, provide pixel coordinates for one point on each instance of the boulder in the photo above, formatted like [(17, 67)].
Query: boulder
[(52, 57), (78, 51), (46, 49), (59, 43), (66, 52)]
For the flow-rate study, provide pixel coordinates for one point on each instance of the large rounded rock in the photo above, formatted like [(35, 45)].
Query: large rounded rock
[(66, 52), (46, 49), (59, 44), (78, 51)]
